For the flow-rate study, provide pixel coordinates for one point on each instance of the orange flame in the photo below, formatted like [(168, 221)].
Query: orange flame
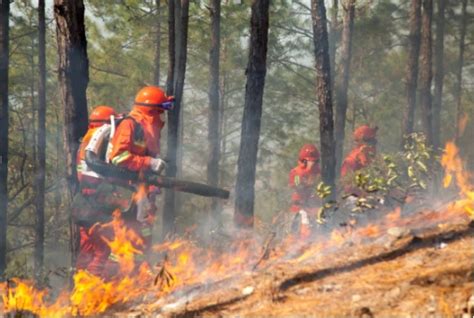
[(187, 262), (454, 168)]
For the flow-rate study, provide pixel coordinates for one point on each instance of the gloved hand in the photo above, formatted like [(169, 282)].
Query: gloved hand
[(157, 165)]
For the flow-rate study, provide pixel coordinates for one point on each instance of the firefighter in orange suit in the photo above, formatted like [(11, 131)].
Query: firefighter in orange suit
[(95, 201), (363, 154), (135, 146), (302, 180)]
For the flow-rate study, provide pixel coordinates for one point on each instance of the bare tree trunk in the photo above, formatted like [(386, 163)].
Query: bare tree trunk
[(4, 124), (333, 38), (214, 101), (73, 79), (33, 130), (171, 50), (342, 88), (41, 166), (256, 71), (181, 12), (439, 74), (158, 42), (168, 218), (458, 88), (222, 116), (411, 78), (426, 70), (323, 92)]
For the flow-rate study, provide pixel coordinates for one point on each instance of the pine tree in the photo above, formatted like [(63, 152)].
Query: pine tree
[(411, 78), (73, 80), (426, 70), (343, 87), (4, 125), (251, 121), (214, 102), (323, 93), (41, 166)]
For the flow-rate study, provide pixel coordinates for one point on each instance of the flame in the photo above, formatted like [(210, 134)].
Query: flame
[(184, 262), (141, 193), (124, 245), (454, 169), (21, 296)]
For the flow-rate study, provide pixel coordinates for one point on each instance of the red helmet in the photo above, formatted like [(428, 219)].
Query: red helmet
[(154, 96), (101, 114), (309, 152), (365, 133)]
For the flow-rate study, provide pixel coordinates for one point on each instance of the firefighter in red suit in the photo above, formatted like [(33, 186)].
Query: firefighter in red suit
[(135, 146), (363, 154), (95, 201), (303, 180)]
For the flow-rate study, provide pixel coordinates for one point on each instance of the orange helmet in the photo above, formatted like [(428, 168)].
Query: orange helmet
[(365, 133), (309, 152), (101, 114), (154, 96)]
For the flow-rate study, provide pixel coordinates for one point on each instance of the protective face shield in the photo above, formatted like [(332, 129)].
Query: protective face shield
[(168, 105)]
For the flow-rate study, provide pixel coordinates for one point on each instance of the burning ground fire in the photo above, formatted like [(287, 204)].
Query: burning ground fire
[(185, 264)]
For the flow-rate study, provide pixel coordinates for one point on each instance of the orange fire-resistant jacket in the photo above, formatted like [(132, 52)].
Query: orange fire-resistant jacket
[(359, 158), (137, 139), (303, 181)]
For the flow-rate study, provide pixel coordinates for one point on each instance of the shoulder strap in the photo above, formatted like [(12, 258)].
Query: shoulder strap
[(138, 132)]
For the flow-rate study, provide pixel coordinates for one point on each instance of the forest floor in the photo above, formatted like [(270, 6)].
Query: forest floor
[(420, 265)]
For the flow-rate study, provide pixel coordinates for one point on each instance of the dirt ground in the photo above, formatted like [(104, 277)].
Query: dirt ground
[(433, 281), (419, 266)]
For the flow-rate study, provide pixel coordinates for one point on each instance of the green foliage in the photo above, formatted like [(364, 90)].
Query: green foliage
[(406, 173), (417, 156)]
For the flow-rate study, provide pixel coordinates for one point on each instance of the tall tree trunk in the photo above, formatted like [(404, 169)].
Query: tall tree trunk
[(181, 15), (342, 88), (41, 152), (411, 77), (333, 38), (426, 70), (168, 218), (439, 74), (157, 74), (458, 88), (4, 124), (73, 79), (171, 50), (222, 115), (256, 71), (33, 91), (323, 92), (214, 119)]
